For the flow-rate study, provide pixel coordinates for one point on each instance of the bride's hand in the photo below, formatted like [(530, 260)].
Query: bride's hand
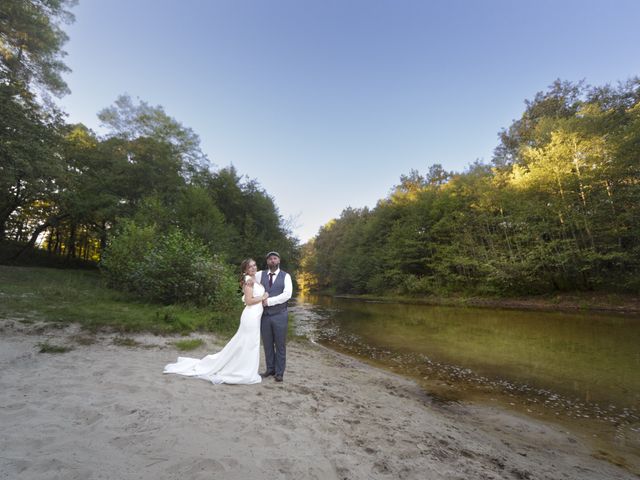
[(265, 296)]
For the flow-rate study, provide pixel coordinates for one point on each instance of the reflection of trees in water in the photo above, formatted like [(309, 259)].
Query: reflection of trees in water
[(341, 329)]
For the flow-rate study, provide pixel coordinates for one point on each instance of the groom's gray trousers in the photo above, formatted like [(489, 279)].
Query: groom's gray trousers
[(273, 328)]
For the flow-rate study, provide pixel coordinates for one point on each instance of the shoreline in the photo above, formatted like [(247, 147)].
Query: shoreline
[(600, 439), (623, 304), (105, 410)]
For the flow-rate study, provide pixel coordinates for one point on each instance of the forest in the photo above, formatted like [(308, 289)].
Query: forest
[(557, 209), (142, 199)]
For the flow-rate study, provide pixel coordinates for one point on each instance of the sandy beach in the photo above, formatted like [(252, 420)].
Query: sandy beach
[(105, 411)]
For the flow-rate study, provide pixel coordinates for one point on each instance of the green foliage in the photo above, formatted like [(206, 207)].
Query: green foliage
[(197, 213), (123, 259), (167, 268), (77, 202), (39, 258), (65, 296), (190, 344), (177, 269), (46, 347), (133, 122), (31, 42), (253, 224), (30, 164), (557, 211), (67, 189)]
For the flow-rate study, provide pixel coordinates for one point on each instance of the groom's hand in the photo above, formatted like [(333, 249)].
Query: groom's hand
[(264, 303)]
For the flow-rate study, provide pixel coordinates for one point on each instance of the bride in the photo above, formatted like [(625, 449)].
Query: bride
[(238, 361)]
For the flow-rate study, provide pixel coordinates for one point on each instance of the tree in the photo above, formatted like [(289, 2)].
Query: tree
[(30, 158), (130, 122), (561, 100), (197, 214), (31, 41), (251, 216), (557, 210), (94, 187)]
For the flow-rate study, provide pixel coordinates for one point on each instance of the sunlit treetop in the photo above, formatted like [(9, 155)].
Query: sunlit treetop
[(31, 41)]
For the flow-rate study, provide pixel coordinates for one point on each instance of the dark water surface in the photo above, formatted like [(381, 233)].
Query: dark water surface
[(579, 369)]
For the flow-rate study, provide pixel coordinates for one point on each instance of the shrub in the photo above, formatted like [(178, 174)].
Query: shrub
[(169, 268), (121, 261)]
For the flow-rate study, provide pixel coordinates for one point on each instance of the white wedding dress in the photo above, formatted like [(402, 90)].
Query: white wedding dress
[(238, 361)]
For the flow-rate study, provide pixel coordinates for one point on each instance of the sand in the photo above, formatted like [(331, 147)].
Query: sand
[(106, 411)]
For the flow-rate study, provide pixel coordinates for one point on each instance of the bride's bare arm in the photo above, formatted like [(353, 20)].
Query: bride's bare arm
[(249, 299)]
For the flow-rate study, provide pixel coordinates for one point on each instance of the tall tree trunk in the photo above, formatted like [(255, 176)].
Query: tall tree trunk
[(50, 222), (103, 237), (12, 205), (71, 252), (583, 195), (5, 214), (506, 234), (19, 232), (57, 249), (50, 242)]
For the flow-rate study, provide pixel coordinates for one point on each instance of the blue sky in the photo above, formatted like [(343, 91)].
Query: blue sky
[(326, 103)]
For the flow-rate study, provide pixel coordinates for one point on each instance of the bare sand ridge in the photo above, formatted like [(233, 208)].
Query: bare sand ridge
[(106, 411)]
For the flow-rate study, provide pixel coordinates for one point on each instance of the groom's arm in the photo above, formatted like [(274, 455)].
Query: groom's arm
[(285, 295)]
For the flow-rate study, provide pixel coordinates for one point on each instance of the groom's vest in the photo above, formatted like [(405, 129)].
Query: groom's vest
[(276, 289)]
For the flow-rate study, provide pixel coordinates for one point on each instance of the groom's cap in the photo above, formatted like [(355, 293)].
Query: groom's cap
[(273, 253)]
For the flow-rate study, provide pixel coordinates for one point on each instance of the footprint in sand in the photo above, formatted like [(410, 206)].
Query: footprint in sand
[(86, 417), (197, 468), (13, 407)]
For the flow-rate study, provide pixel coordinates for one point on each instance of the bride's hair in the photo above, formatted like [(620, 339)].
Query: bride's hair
[(243, 269)]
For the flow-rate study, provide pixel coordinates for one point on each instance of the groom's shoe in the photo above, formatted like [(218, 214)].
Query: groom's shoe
[(267, 374), (278, 378)]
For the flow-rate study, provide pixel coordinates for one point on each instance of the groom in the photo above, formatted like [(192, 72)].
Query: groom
[(275, 317)]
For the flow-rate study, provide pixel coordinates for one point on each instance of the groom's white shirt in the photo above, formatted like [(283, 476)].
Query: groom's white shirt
[(286, 293)]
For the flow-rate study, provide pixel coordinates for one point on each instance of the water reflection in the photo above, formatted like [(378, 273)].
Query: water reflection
[(571, 366)]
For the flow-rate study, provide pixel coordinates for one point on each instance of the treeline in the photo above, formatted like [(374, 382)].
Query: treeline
[(557, 209), (73, 193)]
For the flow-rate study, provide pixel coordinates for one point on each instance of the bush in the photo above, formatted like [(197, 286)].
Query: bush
[(121, 261), (170, 268)]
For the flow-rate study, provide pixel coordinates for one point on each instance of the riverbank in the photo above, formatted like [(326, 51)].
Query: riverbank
[(81, 296), (625, 304), (105, 410)]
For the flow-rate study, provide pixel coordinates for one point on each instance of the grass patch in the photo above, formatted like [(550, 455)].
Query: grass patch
[(125, 342), (191, 344), (81, 296), (46, 347)]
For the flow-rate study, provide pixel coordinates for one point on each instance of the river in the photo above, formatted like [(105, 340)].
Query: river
[(581, 370)]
